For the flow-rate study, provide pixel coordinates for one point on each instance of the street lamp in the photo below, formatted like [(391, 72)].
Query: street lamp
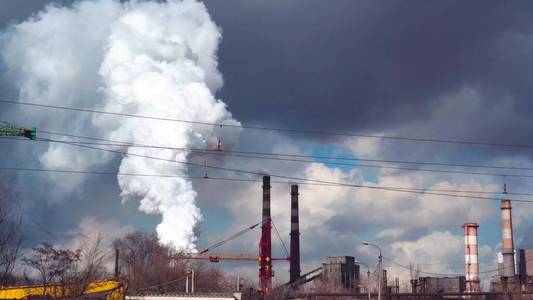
[(367, 276), (380, 271)]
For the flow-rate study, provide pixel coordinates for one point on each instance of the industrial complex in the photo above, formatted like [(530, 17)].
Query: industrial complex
[(347, 278), (265, 150)]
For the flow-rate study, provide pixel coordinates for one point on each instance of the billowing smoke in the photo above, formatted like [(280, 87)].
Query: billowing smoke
[(146, 58)]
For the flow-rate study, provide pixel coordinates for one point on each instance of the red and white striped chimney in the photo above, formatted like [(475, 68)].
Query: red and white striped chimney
[(508, 244), (471, 258)]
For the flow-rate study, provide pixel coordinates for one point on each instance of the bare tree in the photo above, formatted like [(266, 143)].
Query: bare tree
[(151, 267), (54, 266), (10, 231), (414, 273), (69, 271), (93, 259), (143, 260)]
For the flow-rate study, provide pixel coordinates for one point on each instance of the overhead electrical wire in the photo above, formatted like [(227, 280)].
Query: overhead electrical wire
[(36, 223), (163, 175), (265, 128), (451, 263), (298, 179), (301, 131), (282, 157), (114, 173), (419, 271), (159, 285), (216, 151), (233, 152)]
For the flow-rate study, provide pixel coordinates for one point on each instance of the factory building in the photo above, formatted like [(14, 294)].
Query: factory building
[(455, 284), (341, 273), (525, 269)]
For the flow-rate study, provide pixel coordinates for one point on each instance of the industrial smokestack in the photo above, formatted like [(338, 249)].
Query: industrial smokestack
[(507, 234), (471, 258), (294, 272), (265, 244)]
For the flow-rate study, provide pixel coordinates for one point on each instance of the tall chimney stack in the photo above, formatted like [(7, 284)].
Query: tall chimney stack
[(294, 272), (507, 234), (471, 258), (265, 244)]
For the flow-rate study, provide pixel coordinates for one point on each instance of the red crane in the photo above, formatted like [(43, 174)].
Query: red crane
[(265, 246), (265, 243)]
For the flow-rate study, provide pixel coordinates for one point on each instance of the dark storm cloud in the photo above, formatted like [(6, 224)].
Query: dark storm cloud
[(360, 65), (16, 11), (368, 64)]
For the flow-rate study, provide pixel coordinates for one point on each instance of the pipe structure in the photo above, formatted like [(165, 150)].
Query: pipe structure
[(471, 258), (294, 271), (508, 244), (265, 244), (192, 281)]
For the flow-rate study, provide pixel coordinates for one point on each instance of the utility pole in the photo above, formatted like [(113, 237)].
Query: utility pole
[(380, 267), (116, 263), (380, 273)]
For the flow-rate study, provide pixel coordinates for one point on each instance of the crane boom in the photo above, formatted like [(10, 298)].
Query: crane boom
[(8, 129), (217, 257)]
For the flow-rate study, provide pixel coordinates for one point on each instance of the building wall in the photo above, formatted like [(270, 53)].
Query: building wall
[(525, 262), (525, 268), (196, 296), (442, 284), (341, 273)]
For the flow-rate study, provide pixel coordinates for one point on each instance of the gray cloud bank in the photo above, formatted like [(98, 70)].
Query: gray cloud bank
[(435, 69)]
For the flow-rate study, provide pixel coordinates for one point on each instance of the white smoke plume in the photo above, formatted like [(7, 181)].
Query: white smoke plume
[(146, 58)]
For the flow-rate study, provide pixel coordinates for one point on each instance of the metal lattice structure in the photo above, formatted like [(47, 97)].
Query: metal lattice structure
[(265, 244), (12, 130)]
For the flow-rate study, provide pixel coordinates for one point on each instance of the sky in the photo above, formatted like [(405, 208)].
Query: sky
[(426, 69)]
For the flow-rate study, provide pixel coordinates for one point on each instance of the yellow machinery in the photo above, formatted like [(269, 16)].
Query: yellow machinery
[(111, 289)]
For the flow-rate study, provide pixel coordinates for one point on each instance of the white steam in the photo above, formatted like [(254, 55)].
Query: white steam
[(146, 58)]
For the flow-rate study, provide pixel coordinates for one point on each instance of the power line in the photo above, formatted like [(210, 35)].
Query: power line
[(272, 156), (35, 222), (163, 283), (306, 180), (114, 173), (419, 271), (452, 274), (216, 151), (265, 128), (299, 179)]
